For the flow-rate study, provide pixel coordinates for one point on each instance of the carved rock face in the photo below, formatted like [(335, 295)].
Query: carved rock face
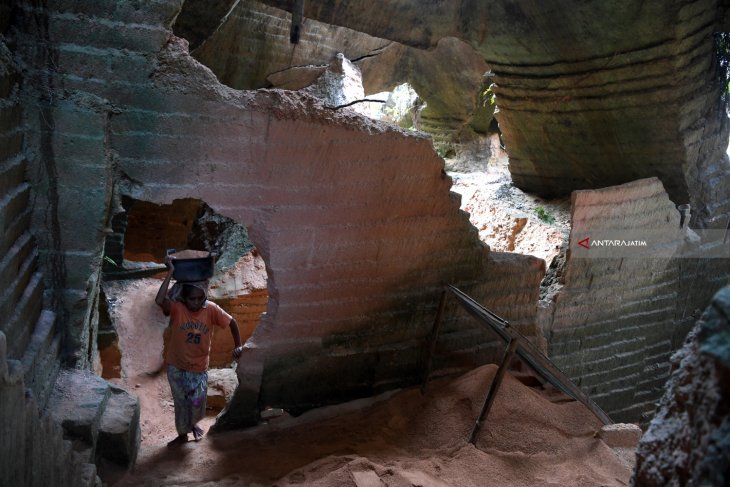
[(590, 94), (251, 49), (688, 440)]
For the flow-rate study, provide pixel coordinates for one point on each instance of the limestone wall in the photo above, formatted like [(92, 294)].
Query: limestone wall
[(18, 256), (69, 57), (33, 450), (687, 442), (356, 234), (613, 322), (590, 93), (354, 219), (251, 49), (634, 100)]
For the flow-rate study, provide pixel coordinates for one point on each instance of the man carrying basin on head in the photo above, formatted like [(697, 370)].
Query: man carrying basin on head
[(187, 352)]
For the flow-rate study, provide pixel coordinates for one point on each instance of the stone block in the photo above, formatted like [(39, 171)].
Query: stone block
[(152, 11), (84, 218), (78, 149), (96, 32), (24, 312), (130, 66), (77, 403), (222, 384), (12, 261), (77, 177), (13, 204), (11, 294), (37, 350), (119, 431), (620, 435), (12, 173), (82, 62), (77, 265), (10, 122)]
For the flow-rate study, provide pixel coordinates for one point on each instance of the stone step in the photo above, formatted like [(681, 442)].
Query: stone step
[(119, 431), (99, 418), (12, 172), (13, 290), (77, 403), (13, 259), (14, 230), (40, 361), (27, 310), (13, 203)]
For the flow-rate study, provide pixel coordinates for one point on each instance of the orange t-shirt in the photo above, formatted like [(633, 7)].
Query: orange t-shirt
[(190, 335)]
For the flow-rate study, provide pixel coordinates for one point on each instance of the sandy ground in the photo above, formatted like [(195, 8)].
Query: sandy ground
[(533, 437)]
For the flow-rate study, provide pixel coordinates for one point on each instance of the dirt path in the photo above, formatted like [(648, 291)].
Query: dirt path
[(398, 439)]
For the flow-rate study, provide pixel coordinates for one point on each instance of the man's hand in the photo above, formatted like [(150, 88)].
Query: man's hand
[(237, 352), (161, 299)]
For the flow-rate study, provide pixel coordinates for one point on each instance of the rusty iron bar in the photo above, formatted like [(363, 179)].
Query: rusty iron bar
[(494, 387), (529, 353), (433, 338)]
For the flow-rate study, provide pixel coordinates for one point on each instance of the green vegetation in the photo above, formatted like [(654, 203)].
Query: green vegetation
[(111, 261), (445, 150), (544, 215), (489, 96)]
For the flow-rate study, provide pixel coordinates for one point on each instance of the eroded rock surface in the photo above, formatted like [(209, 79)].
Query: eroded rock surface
[(612, 323), (251, 49), (352, 218), (688, 440), (222, 384), (590, 94)]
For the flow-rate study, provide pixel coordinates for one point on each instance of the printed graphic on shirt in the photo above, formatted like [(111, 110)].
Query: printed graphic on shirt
[(193, 337)]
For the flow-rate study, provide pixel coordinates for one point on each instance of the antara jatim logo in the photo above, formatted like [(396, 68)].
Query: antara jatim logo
[(587, 243)]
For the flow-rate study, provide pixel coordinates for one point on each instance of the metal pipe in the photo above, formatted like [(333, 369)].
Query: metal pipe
[(493, 388)]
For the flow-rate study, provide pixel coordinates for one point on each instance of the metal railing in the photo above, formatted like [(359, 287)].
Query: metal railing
[(516, 343)]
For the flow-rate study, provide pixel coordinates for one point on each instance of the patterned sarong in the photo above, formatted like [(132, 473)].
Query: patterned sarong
[(189, 393)]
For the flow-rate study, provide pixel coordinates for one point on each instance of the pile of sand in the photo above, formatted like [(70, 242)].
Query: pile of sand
[(402, 438)]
